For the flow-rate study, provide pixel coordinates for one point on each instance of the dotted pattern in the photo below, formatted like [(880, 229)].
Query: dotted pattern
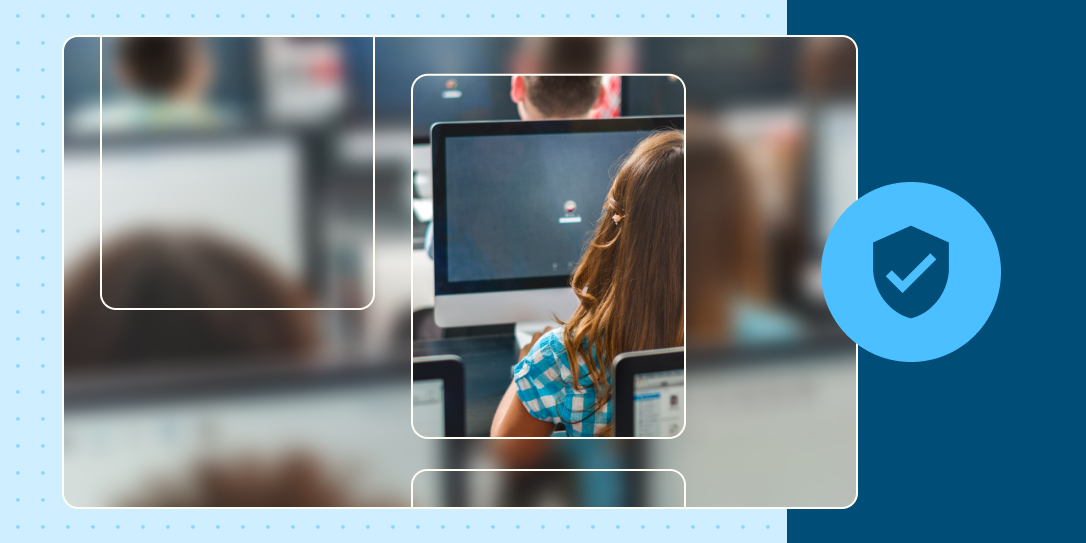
[(30, 304)]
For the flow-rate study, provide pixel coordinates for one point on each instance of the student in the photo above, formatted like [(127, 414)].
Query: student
[(556, 97), (630, 286), (541, 97), (159, 270)]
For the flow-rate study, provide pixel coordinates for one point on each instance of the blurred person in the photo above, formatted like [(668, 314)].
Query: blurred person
[(167, 80), (630, 286), (727, 261), (294, 480), (155, 270), (177, 69)]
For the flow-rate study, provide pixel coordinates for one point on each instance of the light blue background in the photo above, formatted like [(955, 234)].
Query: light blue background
[(971, 289), (30, 195)]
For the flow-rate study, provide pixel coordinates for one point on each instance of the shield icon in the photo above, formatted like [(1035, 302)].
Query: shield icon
[(911, 268)]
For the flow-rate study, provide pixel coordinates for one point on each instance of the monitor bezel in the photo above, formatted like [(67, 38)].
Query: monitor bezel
[(440, 131), (628, 365), (450, 369)]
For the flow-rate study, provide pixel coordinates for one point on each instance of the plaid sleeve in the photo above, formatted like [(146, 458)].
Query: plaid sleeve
[(539, 385)]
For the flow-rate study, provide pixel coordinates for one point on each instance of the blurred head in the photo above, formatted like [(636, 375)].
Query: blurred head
[(630, 279), (192, 271), (555, 97), (730, 260), (175, 68)]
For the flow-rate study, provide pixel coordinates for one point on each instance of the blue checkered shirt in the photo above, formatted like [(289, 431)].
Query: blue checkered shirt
[(545, 386)]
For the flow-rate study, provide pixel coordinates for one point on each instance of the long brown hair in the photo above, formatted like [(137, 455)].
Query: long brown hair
[(630, 279)]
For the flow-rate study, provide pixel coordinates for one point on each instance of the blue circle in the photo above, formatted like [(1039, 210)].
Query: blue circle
[(717, 15), (216, 15), (691, 15), (143, 16), (594, 16), (491, 526), (216, 526), (118, 15), (668, 526), (291, 526), (567, 16), (766, 15), (766, 526), (417, 15), (416, 526), (668, 15), (442, 16), (742, 526), (518, 17), (593, 526), (393, 15), (617, 16), (743, 15), (542, 15), (467, 16), (972, 283), (518, 526)]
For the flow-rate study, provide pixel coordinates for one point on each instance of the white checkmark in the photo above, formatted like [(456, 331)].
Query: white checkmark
[(913, 276)]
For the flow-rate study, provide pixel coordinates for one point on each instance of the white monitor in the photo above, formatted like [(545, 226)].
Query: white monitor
[(514, 204)]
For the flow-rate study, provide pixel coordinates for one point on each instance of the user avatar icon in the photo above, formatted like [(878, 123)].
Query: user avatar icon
[(571, 206), (911, 268)]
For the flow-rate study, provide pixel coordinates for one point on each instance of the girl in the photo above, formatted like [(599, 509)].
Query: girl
[(630, 285)]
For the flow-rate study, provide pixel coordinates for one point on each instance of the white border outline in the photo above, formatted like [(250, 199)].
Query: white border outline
[(411, 192), (373, 174), (856, 130)]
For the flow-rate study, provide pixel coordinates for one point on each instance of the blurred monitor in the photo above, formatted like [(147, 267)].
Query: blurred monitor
[(247, 190), (460, 98), (438, 402), (767, 427), (652, 96), (514, 203), (649, 393), (146, 440)]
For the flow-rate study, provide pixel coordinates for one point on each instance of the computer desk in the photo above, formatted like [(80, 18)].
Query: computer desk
[(488, 362)]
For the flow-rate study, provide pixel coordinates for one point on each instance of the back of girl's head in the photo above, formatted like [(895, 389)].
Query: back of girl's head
[(630, 279)]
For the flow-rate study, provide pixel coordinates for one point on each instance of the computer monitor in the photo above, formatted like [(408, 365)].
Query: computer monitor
[(514, 204), (437, 392), (650, 393)]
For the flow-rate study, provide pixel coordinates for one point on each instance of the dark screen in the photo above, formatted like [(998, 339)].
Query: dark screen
[(507, 195)]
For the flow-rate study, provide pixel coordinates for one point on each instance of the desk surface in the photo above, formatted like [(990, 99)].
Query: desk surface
[(487, 373)]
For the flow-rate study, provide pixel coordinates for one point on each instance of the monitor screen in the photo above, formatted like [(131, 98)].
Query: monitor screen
[(523, 205), (658, 403), (428, 398)]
